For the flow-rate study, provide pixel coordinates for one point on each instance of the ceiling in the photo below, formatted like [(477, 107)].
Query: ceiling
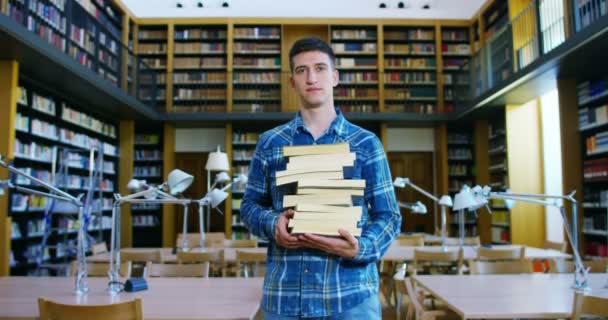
[(413, 9)]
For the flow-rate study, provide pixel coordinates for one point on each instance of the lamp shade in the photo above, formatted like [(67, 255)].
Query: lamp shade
[(446, 201), (479, 197), (217, 161), (216, 196), (179, 181), (401, 182), (135, 184), (419, 207), (241, 179), (222, 177), (464, 199)]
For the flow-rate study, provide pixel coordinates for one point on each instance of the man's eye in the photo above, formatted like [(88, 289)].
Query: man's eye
[(299, 71), (321, 68)]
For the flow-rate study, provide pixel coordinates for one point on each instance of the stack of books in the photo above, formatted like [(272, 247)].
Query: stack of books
[(317, 184)]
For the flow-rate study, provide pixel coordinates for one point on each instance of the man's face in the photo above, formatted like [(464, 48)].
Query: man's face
[(313, 78)]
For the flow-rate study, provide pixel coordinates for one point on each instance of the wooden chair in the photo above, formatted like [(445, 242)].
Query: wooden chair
[(200, 270), (559, 246), (501, 267), (249, 243), (468, 241), (140, 258), (129, 310), (589, 305), (101, 269), (410, 241), (212, 240), (567, 266), (99, 248), (437, 258), (249, 260), (495, 254), (214, 258)]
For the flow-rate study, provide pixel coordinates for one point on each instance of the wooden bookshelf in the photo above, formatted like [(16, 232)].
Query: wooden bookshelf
[(456, 53), (199, 68), (356, 51), (499, 178), (410, 69), (152, 49)]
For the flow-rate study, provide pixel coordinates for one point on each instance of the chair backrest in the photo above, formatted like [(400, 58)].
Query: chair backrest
[(250, 260), (178, 270), (242, 243), (501, 267), (153, 255), (468, 241), (212, 240), (99, 248), (417, 308), (567, 266), (433, 257), (129, 310), (513, 253), (416, 237), (589, 305), (559, 246), (197, 257), (411, 242), (101, 269)]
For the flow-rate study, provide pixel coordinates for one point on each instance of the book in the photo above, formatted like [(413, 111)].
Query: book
[(326, 208), (289, 151), (333, 192), (322, 216), (331, 184), (337, 200), (345, 159), (327, 228), (309, 175)]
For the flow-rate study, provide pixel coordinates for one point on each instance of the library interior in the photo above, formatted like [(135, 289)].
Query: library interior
[(128, 129)]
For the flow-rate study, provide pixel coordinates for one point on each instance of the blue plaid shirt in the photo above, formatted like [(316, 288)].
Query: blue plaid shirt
[(309, 282)]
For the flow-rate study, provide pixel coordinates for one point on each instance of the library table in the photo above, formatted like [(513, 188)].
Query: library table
[(166, 298), (533, 295), (169, 257), (398, 253)]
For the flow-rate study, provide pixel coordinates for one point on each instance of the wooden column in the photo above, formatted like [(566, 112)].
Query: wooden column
[(9, 73), (525, 161), (228, 203), (572, 149), (169, 234), (441, 168), (482, 177), (125, 174)]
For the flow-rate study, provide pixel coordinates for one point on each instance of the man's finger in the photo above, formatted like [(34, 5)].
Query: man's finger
[(349, 237)]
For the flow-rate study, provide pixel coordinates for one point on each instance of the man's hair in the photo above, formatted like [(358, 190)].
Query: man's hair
[(311, 44)]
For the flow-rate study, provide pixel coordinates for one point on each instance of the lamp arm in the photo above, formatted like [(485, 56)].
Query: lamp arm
[(422, 191), (569, 197), (50, 195), (580, 271), (407, 205), (226, 187), (66, 196), (510, 196), (135, 195)]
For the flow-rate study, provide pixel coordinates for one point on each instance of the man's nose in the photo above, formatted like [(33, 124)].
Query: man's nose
[(311, 77)]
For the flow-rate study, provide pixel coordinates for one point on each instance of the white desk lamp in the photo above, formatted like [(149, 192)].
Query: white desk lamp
[(81, 286), (444, 202), (217, 161), (467, 199), (416, 207), (177, 182), (214, 198), (581, 279)]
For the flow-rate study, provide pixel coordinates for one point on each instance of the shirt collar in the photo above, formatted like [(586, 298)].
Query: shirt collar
[(338, 126)]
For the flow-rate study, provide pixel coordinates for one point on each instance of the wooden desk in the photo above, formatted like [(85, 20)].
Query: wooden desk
[(397, 253), (169, 257), (166, 298), (535, 295)]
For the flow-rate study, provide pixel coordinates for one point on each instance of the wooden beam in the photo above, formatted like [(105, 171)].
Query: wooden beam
[(482, 178), (228, 205), (572, 149), (125, 54), (126, 136), (169, 74), (9, 73), (169, 234), (441, 166)]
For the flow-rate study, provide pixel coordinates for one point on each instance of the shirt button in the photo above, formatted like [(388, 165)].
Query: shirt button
[(306, 270)]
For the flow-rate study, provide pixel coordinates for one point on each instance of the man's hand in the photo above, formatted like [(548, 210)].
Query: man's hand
[(281, 235), (347, 246)]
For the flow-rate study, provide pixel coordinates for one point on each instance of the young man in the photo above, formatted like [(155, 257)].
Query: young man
[(310, 275)]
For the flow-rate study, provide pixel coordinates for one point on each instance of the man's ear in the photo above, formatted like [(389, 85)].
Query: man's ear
[(292, 82), (336, 77)]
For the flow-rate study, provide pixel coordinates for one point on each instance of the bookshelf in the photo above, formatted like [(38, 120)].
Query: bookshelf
[(499, 40), (461, 171), (199, 68), (151, 45), (89, 31), (256, 74), (147, 165), (243, 146), (410, 69), (593, 128), (47, 129), (356, 51), (499, 180), (456, 53)]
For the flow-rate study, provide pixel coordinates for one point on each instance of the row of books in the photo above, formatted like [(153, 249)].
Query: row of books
[(459, 138), (596, 222), (248, 137), (145, 221), (242, 154), (192, 48), (460, 153), (82, 161), (368, 47), (450, 78), (590, 90), (595, 169), (597, 143), (359, 34), (461, 49), (590, 11), (147, 34), (197, 106), (414, 63), (256, 107), (33, 151), (356, 62), (148, 171), (341, 92), (256, 77), (152, 48), (88, 122), (359, 107), (456, 185), (412, 107), (358, 77), (242, 62), (591, 117), (49, 13), (195, 94), (205, 62), (410, 48), (412, 34), (455, 35), (257, 94), (257, 47), (595, 198), (416, 77), (458, 170), (200, 33), (148, 154), (428, 93), (199, 77), (257, 32)]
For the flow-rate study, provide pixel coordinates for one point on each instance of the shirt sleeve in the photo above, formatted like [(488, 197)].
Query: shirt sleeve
[(256, 207), (384, 221)]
